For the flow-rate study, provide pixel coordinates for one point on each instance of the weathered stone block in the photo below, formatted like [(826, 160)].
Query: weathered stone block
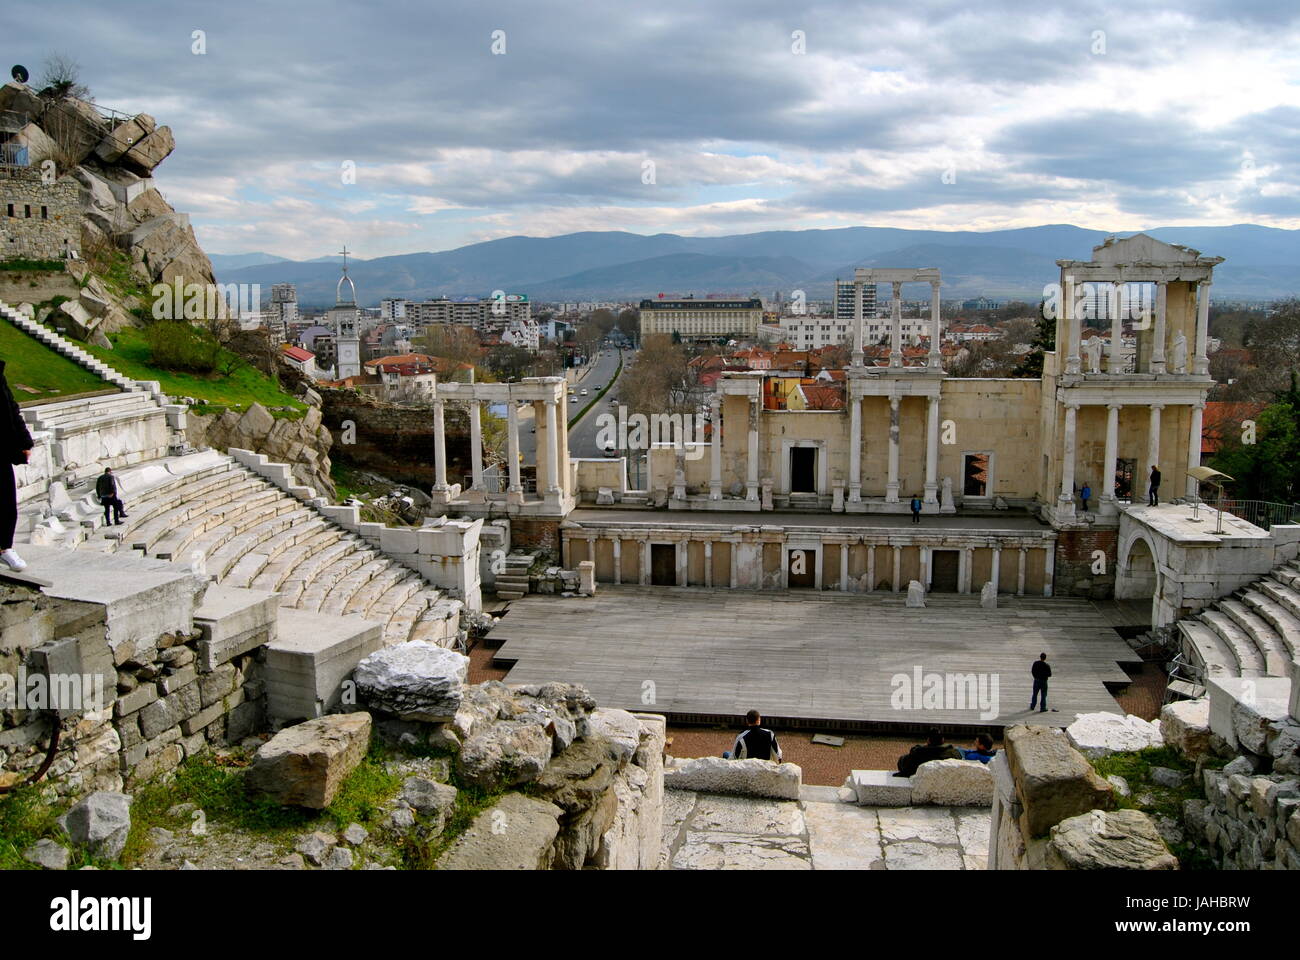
[(953, 783), (516, 833), (1053, 780), (1101, 734), (1108, 840), (1185, 726), (305, 765), (749, 778)]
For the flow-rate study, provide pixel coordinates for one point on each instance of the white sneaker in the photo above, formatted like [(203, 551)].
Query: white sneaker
[(14, 562)]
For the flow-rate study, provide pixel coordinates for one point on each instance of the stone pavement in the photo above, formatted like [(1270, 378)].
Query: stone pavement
[(818, 832)]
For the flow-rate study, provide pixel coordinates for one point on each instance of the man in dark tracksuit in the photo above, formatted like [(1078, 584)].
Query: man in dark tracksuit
[(755, 742), (1153, 495), (15, 447), (106, 489), (1041, 671)]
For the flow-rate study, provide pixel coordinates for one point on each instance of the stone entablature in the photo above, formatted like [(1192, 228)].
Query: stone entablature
[(850, 560)]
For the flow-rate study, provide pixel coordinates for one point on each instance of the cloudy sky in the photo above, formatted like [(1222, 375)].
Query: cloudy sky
[(465, 121)]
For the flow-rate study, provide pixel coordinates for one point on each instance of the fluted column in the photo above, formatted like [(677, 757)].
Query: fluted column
[(932, 452), (844, 567), (512, 447), (1153, 443), (618, 558), (1070, 324), (855, 446), (751, 464), (1201, 364), (708, 563), (995, 574), (1020, 573), (896, 326), (475, 445), (936, 360), (439, 447), (1194, 448), (1158, 334), (715, 449), (891, 486), (1112, 457), (857, 323), (1116, 331), (552, 448), (1065, 502)]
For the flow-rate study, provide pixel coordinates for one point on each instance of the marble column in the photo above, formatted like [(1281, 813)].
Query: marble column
[(512, 448), (1116, 331), (844, 567), (936, 360), (1111, 462), (591, 551), (1153, 446), (898, 566), (855, 446), (1157, 364), (1020, 573), (645, 562), (751, 464), (552, 449), (995, 574), (896, 326), (1049, 569), (967, 571), (1201, 363), (1065, 502), (932, 452), (871, 568), (1194, 448), (475, 445), (1070, 325), (708, 563), (617, 541), (891, 485), (439, 448), (856, 358), (731, 552), (715, 449)]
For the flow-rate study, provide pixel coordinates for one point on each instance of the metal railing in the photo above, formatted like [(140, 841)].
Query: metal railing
[(1262, 513)]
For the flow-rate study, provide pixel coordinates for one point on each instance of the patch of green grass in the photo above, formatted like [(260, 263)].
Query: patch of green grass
[(237, 390), (45, 266), (25, 817), (30, 363), (470, 802), (1154, 799), (362, 796)]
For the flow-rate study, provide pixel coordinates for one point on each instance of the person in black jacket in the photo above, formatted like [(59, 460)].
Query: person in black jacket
[(756, 742), (15, 448), (106, 490), (1040, 671), (933, 749), (1153, 494)]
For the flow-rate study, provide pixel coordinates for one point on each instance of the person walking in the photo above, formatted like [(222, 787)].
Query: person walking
[(15, 449), (1085, 495), (916, 509), (106, 489), (756, 742), (1040, 672), (1153, 495)]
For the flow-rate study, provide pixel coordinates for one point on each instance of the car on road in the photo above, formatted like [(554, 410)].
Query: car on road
[(584, 393)]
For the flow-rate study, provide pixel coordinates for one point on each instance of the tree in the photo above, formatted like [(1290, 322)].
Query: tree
[(451, 342), (1031, 364), (61, 78), (509, 362), (1269, 468)]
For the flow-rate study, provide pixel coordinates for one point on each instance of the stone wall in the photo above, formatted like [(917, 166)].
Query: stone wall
[(1075, 561), (394, 441), (41, 221), (530, 533)]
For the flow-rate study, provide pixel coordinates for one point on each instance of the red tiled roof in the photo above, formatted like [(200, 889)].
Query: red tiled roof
[(297, 353), (1223, 418)]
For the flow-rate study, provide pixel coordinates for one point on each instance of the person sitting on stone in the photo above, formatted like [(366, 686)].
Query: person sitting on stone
[(934, 748), (755, 742), (983, 750)]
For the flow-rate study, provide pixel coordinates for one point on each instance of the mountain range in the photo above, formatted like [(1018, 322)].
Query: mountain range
[(1260, 263)]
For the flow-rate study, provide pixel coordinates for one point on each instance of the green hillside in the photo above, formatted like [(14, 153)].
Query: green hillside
[(35, 372)]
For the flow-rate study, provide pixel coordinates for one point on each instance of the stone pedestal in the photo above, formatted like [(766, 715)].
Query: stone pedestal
[(989, 596), (915, 594), (587, 578), (946, 504)]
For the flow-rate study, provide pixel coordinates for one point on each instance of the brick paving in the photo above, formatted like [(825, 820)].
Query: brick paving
[(828, 766)]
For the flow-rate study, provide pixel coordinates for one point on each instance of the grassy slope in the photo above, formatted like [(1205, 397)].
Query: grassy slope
[(31, 363), (130, 355)]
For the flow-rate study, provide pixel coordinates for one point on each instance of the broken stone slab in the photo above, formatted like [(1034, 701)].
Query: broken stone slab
[(915, 594), (622, 729), (304, 765), (953, 783), (505, 754), (748, 778), (100, 822), (429, 799), (880, 788), (1101, 734), (1053, 780), (416, 681), (515, 833), (1108, 840), (1185, 726)]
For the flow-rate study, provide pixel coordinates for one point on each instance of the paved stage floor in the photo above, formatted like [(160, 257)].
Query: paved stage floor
[(700, 654)]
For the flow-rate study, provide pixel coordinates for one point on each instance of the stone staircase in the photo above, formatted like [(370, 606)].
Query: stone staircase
[(66, 347), (91, 433), (1253, 633), (512, 582)]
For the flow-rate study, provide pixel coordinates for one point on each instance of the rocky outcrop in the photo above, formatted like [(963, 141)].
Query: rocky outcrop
[(303, 444), (1108, 840), (304, 765), (1101, 734), (393, 440), (414, 681)]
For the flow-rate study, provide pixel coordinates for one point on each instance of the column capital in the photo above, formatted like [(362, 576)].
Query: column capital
[(1073, 406), (1114, 406), (1198, 405), (1157, 406), (894, 401)]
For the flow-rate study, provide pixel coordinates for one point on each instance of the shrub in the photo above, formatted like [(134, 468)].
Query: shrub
[(176, 345)]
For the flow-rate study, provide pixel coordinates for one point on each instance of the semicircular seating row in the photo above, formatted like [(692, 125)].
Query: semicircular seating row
[(243, 531), (1253, 633)]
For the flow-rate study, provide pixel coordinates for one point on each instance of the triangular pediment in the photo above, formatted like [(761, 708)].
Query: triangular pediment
[(1141, 248)]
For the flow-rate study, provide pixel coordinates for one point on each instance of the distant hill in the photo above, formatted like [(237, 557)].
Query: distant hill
[(1260, 263), (236, 261)]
